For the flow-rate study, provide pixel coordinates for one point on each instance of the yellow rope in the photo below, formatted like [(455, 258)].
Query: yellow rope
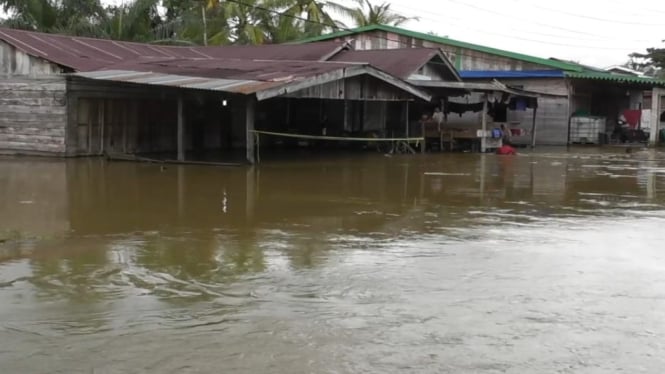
[(316, 137)]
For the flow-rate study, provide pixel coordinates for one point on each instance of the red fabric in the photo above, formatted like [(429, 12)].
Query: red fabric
[(632, 117), (506, 150)]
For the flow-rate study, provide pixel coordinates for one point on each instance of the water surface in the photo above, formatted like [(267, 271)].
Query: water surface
[(550, 261)]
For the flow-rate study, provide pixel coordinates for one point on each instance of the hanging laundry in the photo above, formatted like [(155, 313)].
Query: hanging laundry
[(521, 104), (462, 108)]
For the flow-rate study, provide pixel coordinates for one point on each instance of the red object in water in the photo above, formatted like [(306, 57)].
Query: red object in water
[(506, 150)]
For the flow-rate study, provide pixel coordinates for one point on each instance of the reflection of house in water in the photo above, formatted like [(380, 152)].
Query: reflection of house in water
[(34, 196)]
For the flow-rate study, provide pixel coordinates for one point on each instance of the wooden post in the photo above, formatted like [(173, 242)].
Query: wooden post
[(90, 122), (72, 139), (406, 111), (127, 106), (181, 130), (102, 119), (347, 127), (250, 108), (483, 170), (533, 128), (656, 109), (483, 138), (258, 148)]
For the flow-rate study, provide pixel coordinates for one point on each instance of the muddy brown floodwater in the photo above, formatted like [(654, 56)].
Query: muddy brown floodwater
[(549, 262)]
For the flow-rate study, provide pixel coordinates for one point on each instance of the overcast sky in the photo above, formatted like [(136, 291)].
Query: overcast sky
[(599, 33)]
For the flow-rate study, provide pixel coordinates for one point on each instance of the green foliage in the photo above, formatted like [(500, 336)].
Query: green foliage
[(366, 14), (132, 21), (654, 57), (76, 17), (187, 22)]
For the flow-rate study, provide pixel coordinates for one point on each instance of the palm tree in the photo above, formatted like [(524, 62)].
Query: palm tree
[(312, 17), (77, 17), (36, 15), (246, 22), (133, 21), (366, 14)]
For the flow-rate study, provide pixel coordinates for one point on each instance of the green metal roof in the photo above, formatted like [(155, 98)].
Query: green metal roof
[(556, 64), (620, 78)]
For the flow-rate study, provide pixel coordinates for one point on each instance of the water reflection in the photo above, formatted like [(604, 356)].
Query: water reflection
[(91, 248), (356, 194)]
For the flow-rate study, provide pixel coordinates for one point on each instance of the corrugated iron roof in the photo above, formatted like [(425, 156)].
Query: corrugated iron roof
[(266, 79), (174, 80), (493, 86), (401, 62), (620, 78), (87, 54), (227, 68), (447, 41), (485, 74)]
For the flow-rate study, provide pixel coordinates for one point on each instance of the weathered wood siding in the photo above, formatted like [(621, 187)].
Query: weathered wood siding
[(462, 58), (363, 88), (14, 62), (33, 116), (123, 118)]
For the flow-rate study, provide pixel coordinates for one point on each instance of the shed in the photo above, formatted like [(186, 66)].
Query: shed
[(80, 96)]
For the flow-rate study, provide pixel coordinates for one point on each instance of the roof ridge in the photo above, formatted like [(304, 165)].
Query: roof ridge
[(449, 41)]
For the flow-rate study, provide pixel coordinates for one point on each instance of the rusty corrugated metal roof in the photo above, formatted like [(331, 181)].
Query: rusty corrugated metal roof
[(235, 69), (181, 81), (401, 62), (88, 54), (266, 79), (398, 62), (493, 86)]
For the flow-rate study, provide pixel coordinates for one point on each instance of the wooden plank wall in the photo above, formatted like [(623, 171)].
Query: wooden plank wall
[(33, 116), (14, 62), (462, 58), (112, 117), (364, 88)]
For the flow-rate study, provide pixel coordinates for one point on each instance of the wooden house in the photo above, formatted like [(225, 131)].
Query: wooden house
[(73, 96)]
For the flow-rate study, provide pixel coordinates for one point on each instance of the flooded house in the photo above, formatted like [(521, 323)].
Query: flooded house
[(73, 96), (578, 103)]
